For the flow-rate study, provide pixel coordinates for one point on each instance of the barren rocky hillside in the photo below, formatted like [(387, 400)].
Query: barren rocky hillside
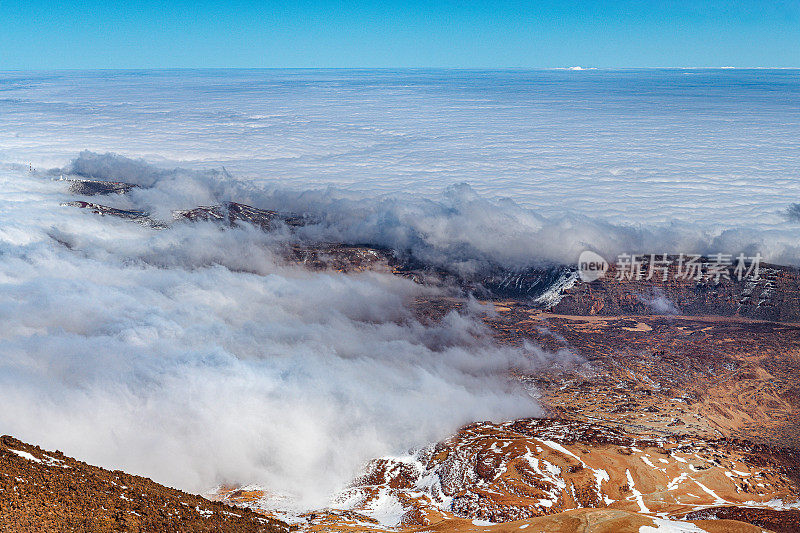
[(46, 491)]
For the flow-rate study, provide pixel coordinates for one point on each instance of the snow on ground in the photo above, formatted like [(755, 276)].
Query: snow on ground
[(49, 461), (663, 525), (777, 504), (601, 475), (636, 494), (717, 499), (26, 455), (385, 508), (672, 485), (556, 446)]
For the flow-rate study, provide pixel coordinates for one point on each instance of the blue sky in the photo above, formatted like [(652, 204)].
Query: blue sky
[(39, 34)]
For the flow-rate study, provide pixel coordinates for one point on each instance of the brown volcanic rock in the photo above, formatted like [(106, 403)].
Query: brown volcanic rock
[(566, 476), (774, 296), (341, 258), (538, 471), (47, 491), (129, 214), (706, 375), (232, 212), (594, 521)]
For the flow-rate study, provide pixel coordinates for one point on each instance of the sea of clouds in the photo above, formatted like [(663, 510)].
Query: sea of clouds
[(689, 156), (196, 356)]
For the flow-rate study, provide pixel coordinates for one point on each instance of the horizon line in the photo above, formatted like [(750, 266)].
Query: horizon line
[(575, 68)]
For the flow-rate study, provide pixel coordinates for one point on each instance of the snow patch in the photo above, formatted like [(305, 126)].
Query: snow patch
[(26, 455), (710, 492), (663, 525), (555, 293), (385, 508), (672, 485), (776, 504), (636, 494), (648, 462), (556, 446), (601, 475)]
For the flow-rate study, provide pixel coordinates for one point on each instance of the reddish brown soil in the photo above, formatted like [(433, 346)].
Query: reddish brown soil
[(58, 494)]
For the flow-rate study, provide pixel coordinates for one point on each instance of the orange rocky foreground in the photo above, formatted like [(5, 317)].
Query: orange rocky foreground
[(659, 423), (48, 492), (525, 473), (560, 475)]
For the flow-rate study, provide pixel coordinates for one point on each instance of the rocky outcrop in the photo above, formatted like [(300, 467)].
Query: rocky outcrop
[(233, 212), (94, 187), (780, 521)]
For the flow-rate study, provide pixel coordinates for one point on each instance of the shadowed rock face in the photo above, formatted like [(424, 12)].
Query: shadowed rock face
[(94, 187), (141, 217), (774, 296), (232, 212), (543, 287)]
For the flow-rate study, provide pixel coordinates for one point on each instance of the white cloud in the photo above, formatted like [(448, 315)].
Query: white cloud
[(716, 149), (457, 227), (192, 356)]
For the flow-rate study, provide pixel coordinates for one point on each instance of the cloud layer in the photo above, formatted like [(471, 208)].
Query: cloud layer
[(458, 228), (193, 356), (713, 149)]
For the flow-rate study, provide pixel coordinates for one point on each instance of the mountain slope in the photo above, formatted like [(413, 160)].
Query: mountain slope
[(47, 491)]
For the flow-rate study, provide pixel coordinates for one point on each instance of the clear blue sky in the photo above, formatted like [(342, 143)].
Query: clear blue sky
[(39, 34)]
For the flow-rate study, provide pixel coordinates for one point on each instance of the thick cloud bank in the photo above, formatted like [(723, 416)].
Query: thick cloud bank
[(713, 149), (457, 228), (646, 161), (191, 355)]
